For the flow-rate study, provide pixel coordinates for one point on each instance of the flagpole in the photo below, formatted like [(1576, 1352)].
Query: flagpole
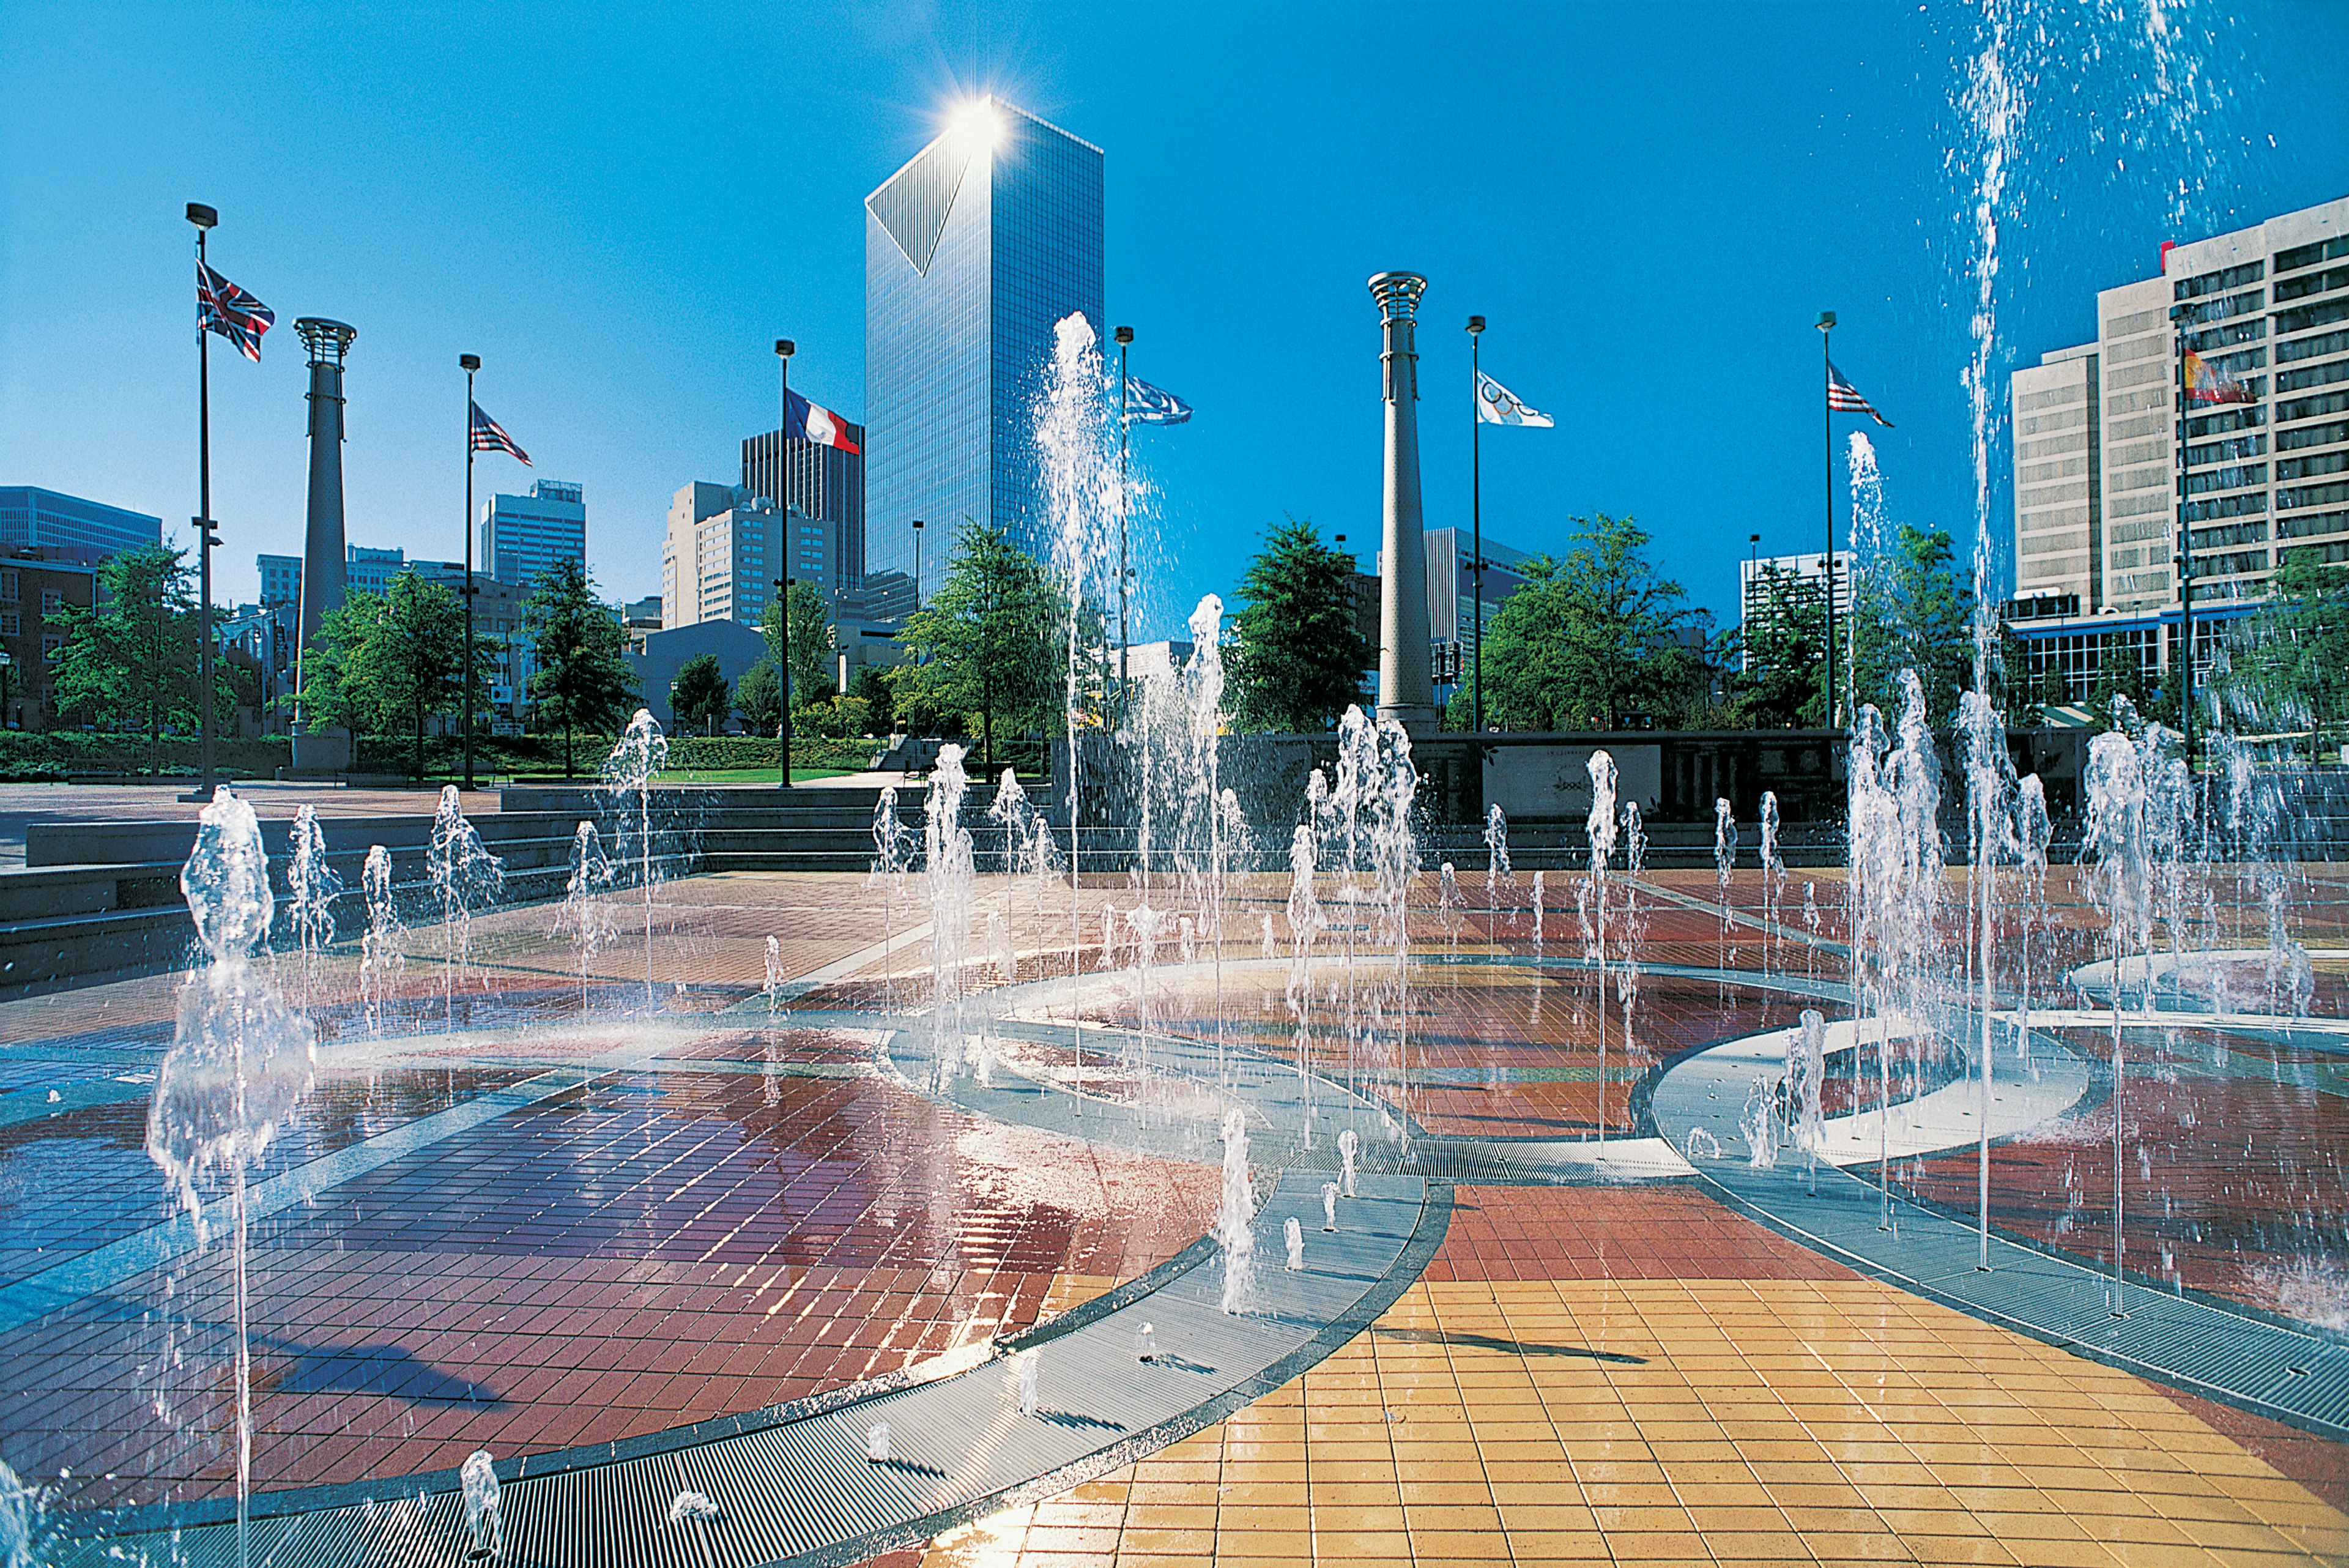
[(1124, 336), (1826, 422), (204, 217), (784, 349), (1477, 519), (469, 363)]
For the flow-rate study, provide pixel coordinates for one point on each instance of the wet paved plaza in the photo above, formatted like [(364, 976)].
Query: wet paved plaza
[(568, 1211)]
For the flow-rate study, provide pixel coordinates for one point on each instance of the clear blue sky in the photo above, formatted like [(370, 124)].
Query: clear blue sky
[(620, 208)]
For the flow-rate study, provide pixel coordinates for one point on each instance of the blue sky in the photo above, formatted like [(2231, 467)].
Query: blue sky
[(620, 210)]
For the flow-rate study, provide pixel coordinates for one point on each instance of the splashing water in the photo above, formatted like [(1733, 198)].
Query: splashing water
[(484, 1524), (1294, 1234), (636, 759), (893, 844), (311, 888), (1806, 1069), (21, 1511), (465, 876), (1028, 1373), (1773, 874), (877, 1442), (1146, 1343), (1759, 1123), (947, 849), (1497, 873), (239, 1065), (1600, 826), (1236, 1218), (383, 950), (1724, 861), (691, 1508), (1347, 1144), (1328, 1205), (585, 917)]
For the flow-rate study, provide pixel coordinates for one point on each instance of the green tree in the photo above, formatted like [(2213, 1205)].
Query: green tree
[(759, 698), (1777, 659), (2285, 668), (1590, 641), (1297, 659), (700, 697), (134, 663), (811, 637), (1912, 611), (582, 679), (989, 641), (871, 683), (411, 664)]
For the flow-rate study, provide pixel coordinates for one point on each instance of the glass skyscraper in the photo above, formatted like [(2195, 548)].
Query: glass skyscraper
[(972, 251)]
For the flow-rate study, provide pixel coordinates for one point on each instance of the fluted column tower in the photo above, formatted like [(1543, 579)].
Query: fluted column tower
[(1406, 690), (324, 573)]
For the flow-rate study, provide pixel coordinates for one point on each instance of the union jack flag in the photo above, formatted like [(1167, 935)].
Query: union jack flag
[(489, 436), (224, 308), (1843, 398)]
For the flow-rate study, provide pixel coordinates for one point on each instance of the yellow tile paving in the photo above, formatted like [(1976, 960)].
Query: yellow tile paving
[(1682, 1421)]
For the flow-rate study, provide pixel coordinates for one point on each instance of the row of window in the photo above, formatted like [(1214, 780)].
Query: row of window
[(2300, 317), (2218, 309), (2312, 347), (2323, 282), (2212, 282), (2311, 254), (2313, 376), (2308, 467)]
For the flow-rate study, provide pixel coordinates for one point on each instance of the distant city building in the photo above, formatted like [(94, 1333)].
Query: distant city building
[(370, 571), (724, 549), (642, 618), (824, 482), (522, 535), (737, 647), (973, 252), (33, 518), (280, 580), (38, 584), (2098, 475), (1801, 578)]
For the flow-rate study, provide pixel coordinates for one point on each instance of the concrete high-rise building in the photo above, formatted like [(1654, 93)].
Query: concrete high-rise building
[(973, 252), (2100, 481), (724, 549), (33, 518), (522, 535), (824, 482)]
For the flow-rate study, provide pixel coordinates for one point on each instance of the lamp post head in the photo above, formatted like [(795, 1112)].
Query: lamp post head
[(469, 363), (1827, 320), (1753, 538), (1397, 294), (203, 217), (1124, 334), (917, 525), (785, 347), (1475, 324)]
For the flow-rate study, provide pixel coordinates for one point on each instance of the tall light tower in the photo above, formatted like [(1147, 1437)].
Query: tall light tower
[(323, 577), (1406, 687)]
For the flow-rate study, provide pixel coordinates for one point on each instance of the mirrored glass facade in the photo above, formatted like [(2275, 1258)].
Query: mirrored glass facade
[(971, 256)]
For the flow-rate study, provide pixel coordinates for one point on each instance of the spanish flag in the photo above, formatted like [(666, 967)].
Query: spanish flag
[(2206, 383)]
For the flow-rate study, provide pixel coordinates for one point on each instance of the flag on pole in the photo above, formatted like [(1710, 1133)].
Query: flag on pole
[(811, 421), (2207, 383), (1496, 405), (1149, 405), (490, 436), (1843, 398), (224, 308)]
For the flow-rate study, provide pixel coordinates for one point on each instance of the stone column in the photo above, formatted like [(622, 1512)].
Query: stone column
[(323, 572), (1406, 692)]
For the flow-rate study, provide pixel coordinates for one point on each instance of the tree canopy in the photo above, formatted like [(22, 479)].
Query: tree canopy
[(700, 697), (1912, 610), (2286, 666), (1297, 658), (812, 642), (582, 679), (1594, 640), (135, 662), (396, 662), (988, 644), (1778, 656)]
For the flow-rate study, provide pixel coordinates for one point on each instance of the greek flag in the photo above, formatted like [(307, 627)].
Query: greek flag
[(1149, 405), (1496, 405)]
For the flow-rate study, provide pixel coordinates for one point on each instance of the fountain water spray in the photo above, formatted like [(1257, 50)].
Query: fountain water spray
[(876, 1443), (586, 915), (1146, 1343), (946, 850), (465, 875), (1346, 1146), (484, 1526), (636, 759), (1990, 835), (1328, 1205), (1028, 1360), (1294, 1234), (1601, 826), (1724, 861), (383, 950), (1807, 1068), (691, 1508), (1774, 875), (1497, 873), (1759, 1123), (241, 1062), (1236, 1218), (894, 844), (311, 888)]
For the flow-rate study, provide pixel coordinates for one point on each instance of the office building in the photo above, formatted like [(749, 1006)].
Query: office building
[(522, 535), (280, 580), (370, 571), (973, 252), (38, 584), (724, 549), (826, 484), (2100, 479), (33, 518)]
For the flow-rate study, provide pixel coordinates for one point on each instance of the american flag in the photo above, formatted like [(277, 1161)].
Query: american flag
[(1843, 398), (489, 436), (1149, 405), (224, 308)]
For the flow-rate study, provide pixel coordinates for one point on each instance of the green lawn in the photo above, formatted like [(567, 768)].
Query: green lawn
[(745, 776)]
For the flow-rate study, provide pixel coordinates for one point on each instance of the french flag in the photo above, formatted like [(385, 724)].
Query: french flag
[(814, 423)]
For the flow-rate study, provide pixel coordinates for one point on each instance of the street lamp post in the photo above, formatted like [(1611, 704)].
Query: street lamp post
[(204, 218), (917, 563), (6, 660), (469, 363), (1826, 332), (784, 731), (1124, 336)]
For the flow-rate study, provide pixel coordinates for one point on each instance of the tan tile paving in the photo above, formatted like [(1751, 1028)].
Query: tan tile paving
[(1748, 1421)]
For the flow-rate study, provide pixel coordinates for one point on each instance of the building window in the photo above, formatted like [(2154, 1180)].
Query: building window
[(52, 601), (12, 623), (8, 589)]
